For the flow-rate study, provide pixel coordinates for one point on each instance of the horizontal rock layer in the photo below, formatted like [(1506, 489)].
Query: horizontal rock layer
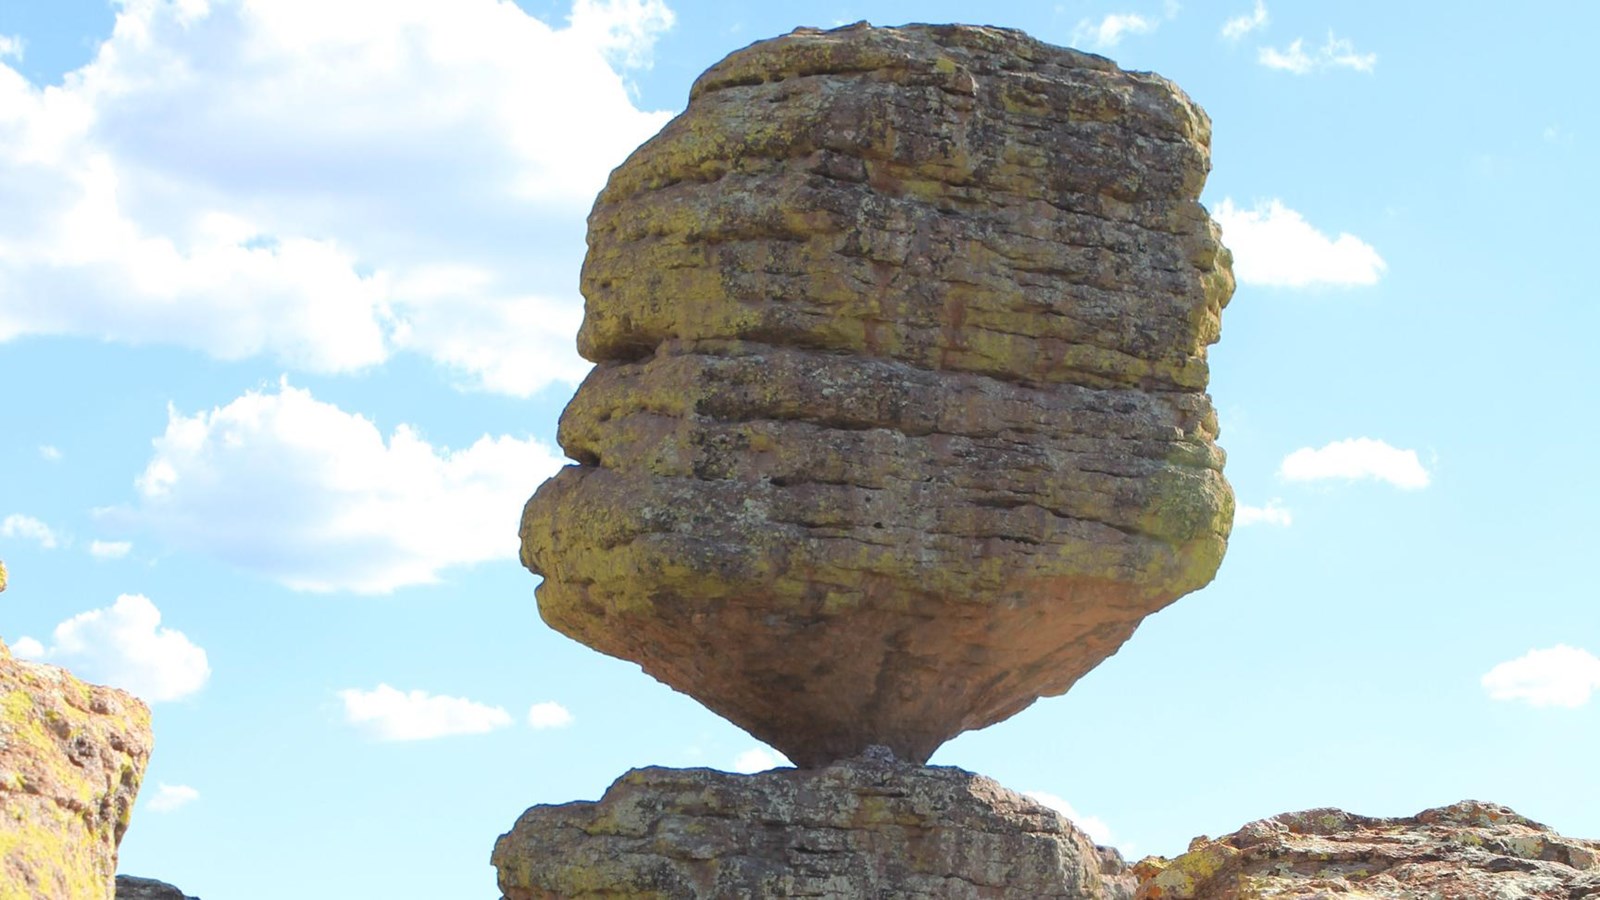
[(899, 420), (1468, 851), (859, 828), (71, 759)]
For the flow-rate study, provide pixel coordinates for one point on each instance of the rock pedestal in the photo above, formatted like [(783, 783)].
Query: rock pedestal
[(858, 828), (899, 417), (71, 759)]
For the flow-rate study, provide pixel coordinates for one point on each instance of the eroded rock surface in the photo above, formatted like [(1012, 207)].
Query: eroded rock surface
[(859, 828), (1468, 851), (71, 759), (899, 420), (130, 887)]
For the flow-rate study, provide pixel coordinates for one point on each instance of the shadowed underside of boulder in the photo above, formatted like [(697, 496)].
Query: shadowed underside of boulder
[(899, 419)]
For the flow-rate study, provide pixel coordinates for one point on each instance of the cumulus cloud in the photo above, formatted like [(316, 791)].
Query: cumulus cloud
[(1095, 827), (1239, 26), (392, 715), (169, 797), (318, 499), (758, 759), (1335, 53), (549, 715), (109, 549), (1558, 676), (625, 30), (49, 453), (19, 526), (1109, 31), (28, 648), (125, 646), (1356, 459), (1274, 513), (326, 184), (1275, 246)]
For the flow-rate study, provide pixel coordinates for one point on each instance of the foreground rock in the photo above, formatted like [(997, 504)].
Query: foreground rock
[(900, 420), (1469, 851), (71, 759), (132, 888), (859, 828)]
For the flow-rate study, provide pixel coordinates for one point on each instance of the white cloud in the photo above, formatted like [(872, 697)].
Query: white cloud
[(1336, 53), (1354, 459), (124, 646), (1275, 246), (28, 648), (1559, 676), (169, 797), (758, 759), (23, 527), (391, 715), (1274, 513), (49, 453), (1239, 26), (1109, 31), (625, 30), (317, 499), (549, 715), (1095, 827), (12, 46), (109, 549), (327, 184)]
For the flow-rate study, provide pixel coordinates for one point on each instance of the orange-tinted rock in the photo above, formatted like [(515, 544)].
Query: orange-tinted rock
[(1468, 851), (71, 759), (899, 419)]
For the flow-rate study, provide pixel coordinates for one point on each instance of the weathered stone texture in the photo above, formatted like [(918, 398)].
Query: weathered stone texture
[(1468, 851), (859, 828), (130, 887), (899, 420), (71, 759)]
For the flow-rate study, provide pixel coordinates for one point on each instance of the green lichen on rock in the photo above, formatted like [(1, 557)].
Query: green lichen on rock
[(899, 420), (71, 759), (1466, 851)]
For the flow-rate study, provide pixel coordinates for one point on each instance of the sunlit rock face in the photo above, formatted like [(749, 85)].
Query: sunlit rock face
[(899, 418), (71, 758), (858, 828)]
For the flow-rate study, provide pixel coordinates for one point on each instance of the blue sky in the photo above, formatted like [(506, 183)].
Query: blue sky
[(287, 298)]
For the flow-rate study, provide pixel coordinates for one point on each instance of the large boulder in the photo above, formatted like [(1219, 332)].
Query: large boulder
[(859, 828), (899, 419), (1468, 851), (71, 759)]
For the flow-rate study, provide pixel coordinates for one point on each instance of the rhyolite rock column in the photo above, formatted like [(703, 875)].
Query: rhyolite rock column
[(859, 828), (899, 420), (71, 758)]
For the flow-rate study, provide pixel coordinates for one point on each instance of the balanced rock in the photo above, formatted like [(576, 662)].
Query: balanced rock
[(899, 419), (71, 759), (1468, 851), (858, 828)]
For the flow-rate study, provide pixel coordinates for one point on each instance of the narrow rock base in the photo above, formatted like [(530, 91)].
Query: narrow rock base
[(860, 828)]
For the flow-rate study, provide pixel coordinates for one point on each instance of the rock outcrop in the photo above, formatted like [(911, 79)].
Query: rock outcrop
[(858, 828), (899, 419), (71, 759), (1468, 851), (130, 887)]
